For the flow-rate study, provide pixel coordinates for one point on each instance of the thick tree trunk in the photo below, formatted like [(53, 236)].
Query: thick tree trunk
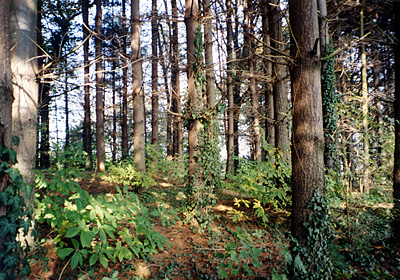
[(114, 110), (87, 138), (124, 126), (279, 87), (396, 171), (25, 86), (154, 78), (138, 95), (231, 104), (176, 95), (308, 139), (100, 158)]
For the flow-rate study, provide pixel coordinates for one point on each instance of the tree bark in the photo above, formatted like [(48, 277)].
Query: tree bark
[(192, 23), (25, 86), (100, 158), (124, 126), (138, 96), (279, 87), (231, 104), (44, 99), (364, 89), (176, 96), (396, 171), (269, 125), (208, 48), (249, 35), (308, 139), (87, 138), (154, 79)]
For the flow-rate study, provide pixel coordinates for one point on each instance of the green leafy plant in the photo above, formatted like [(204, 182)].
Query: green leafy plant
[(15, 216), (125, 175), (98, 229), (238, 256)]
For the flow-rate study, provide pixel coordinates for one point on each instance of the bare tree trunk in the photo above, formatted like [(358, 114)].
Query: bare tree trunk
[(44, 99), (396, 171), (124, 126), (231, 104), (208, 44), (364, 89), (67, 130), (278, 75), (138, 95), (114, 109), (154, 78), (87, 138), (269, 125), (25, 86), (176, 96), (308, 139), (100, 158), (249, 35)]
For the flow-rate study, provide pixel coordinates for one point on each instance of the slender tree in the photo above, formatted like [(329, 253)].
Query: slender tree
[(154, 77), (124, 125), (249, 35), (194, 123), (25, 87), (138, 96), (278, 76), (230, 94), (396, 171), (100, 157), (176, 96), (364, 90), (87, 142)]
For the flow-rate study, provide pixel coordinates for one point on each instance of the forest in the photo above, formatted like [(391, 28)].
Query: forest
[(199, 139)]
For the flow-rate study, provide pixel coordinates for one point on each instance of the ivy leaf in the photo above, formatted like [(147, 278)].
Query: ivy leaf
[(25, 224), (14, 173), (7, 228)]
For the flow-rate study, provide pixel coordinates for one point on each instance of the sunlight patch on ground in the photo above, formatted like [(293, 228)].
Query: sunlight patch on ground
[(165, 185), (180, 196), (223, 208)]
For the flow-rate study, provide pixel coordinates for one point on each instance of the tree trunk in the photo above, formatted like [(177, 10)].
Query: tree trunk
[(396, 171), (44, 99), (364, 89), (208, 45), (279, 87), (114, 109), (138, 96), (192, 23), (269, 125), (25, 86), (87, 138), (176, 96), (248, 29), (6, 89), (308, 139), (100, 158), (154, 79), (124, 126), (230, 73), (67, 130)]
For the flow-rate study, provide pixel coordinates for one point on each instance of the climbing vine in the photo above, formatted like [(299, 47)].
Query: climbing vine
[(14, 216), (209, 166), (311, 261), (330, 101)]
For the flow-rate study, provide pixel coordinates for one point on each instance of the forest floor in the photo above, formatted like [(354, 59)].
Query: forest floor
[(197, 255)]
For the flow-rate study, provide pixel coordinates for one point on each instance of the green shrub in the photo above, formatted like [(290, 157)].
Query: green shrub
[(103, 228)]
